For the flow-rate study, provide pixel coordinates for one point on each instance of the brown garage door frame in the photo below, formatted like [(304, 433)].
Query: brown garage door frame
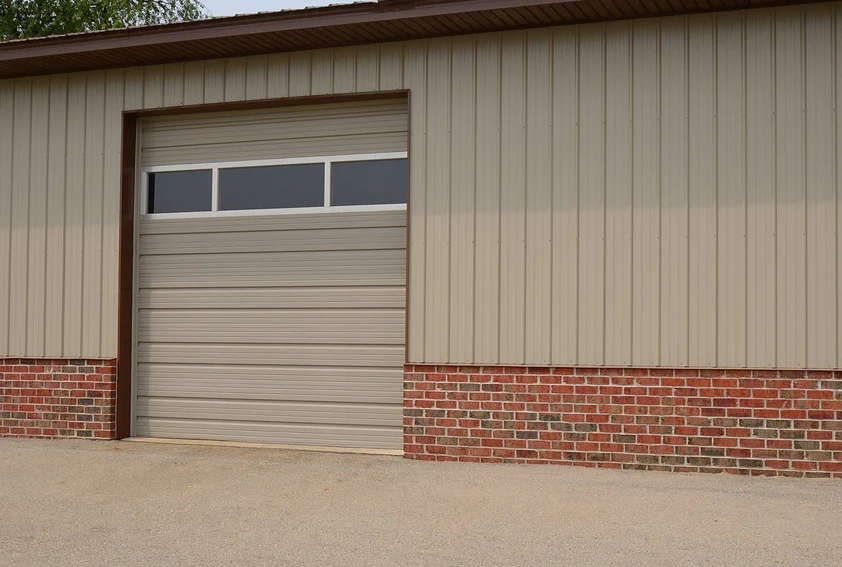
[(127, 252)]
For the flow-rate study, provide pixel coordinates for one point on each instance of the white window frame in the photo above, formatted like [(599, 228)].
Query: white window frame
[(214, 167)]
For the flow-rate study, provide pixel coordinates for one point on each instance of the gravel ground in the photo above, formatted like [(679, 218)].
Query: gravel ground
[(72, 503)]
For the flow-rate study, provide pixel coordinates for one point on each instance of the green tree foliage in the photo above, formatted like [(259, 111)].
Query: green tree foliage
[(35, 18)]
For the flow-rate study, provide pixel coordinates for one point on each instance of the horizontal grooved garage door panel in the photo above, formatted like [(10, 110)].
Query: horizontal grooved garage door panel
[(349, 128), (301, 131), (318, 269), (319, 112), (287, 355), (274, 298), (290, 383), (278, 149), (268, 241), (264, 326), (375, 415), (256, 432)]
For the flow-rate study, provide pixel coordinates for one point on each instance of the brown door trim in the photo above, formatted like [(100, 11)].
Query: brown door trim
[(125, 313), (125, 302)]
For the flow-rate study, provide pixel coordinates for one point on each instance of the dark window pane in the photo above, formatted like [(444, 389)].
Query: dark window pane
[(273, 187), (377, 182), (180, 191)]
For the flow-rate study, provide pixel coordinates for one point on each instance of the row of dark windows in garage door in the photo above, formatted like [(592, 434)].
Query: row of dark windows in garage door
[(288, 186)]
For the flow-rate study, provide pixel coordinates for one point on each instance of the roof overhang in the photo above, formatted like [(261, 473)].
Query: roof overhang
[(330, 26)]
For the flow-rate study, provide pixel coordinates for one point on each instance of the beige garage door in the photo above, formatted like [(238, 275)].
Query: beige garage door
[(268, 318)]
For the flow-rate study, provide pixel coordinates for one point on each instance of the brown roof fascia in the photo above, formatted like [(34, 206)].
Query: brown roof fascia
[(311, 28), (322, 17)]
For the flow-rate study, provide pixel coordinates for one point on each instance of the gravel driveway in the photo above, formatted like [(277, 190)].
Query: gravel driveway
[(86, 503)]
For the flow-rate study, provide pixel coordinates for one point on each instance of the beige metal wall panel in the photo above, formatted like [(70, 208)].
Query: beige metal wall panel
[(235, 79), (92, 215), (822, 297), (174, 84), (368, 68), (300, 71), (791, 194), (256, 73), (702, 185), (153, 86), (415, 79), (463, 169), (565, 253), (760, 191), (513, 198), (214, 79), (282, 336), (74, 215), (591, 267), (18, 259), (322, 71), (194, 82), (731, 197), (7, 118), (56, 170), (277, 75), (111, 209), (646, 192), (345, 70), (487, 205), (838, 182), (437, 285), (349, 128), (618, 194), (391, 67), (134, 88), (37, 245), (674, 194), (538, 248)]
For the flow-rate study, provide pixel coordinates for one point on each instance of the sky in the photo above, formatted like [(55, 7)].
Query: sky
[(232, 7)]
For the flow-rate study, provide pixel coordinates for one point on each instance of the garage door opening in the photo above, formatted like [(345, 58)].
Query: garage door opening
[(271, 274)]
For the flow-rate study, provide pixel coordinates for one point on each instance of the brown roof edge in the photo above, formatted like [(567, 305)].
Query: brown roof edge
[(270, 22), (327, 26)]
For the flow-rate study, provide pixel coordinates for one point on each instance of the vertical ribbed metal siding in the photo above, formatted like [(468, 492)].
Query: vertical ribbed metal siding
[(59, 211), (655, 192), (720, 130), (693, 214)]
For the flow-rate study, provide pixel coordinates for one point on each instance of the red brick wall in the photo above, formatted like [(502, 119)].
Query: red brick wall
[(57, 398), (737, 421)]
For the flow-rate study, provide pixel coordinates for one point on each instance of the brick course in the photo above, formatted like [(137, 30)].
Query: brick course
[(760, 422), (57, 398)]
